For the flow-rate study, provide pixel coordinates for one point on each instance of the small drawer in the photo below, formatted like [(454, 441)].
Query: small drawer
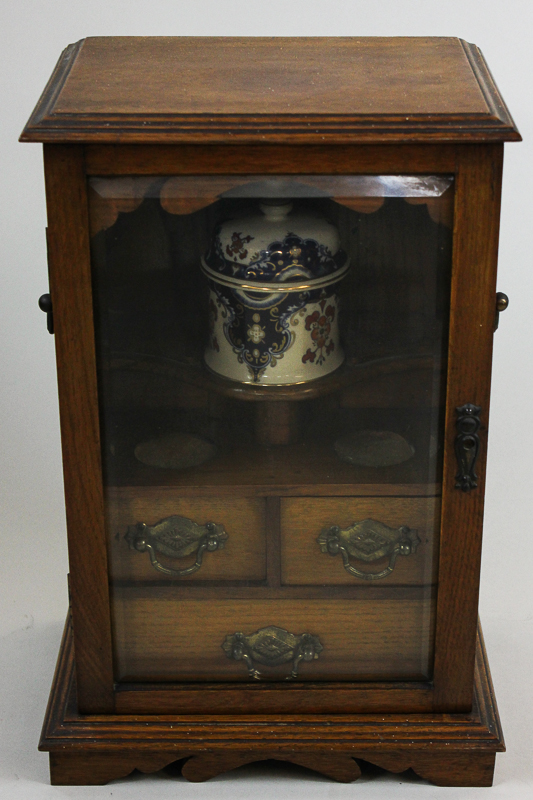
[(158, 637), (151, 531), (346, 540)]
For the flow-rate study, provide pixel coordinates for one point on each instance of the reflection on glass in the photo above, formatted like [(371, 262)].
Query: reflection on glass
[(270, 336)]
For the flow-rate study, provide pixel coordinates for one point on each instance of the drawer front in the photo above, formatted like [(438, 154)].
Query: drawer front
[(166, 639), (384, 541), (195, 538)]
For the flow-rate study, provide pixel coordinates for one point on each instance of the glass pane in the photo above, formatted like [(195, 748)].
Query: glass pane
[(272, 360)]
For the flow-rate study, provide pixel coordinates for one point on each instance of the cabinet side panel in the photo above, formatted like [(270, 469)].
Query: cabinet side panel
[(477, 209), (70, 288)]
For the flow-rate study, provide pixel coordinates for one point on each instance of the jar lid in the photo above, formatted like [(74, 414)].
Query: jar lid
[(276, 246)]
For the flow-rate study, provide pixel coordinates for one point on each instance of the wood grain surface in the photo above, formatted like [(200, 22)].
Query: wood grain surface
[(259, 89), (476, 232), (243, 556), (289, 159), (302, 520), (160, 638), (70, 288), (448, 749)]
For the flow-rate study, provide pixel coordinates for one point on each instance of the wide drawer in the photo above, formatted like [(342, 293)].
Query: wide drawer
[(176, 537), (348, 540), (158, 638)]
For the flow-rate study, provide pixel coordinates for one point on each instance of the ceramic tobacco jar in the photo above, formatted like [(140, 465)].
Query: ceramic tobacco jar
[(273, 280)]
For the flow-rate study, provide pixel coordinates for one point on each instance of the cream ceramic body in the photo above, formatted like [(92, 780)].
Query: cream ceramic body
[(273, 297)]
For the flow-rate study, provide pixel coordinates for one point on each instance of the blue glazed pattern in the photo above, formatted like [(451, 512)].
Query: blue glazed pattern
[(289, 259), (260, 335), (273, 301)]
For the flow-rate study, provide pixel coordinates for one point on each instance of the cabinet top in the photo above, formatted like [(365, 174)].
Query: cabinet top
[(242, 90)]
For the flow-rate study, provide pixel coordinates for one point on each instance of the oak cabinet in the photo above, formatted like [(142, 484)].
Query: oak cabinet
[(273, 288)]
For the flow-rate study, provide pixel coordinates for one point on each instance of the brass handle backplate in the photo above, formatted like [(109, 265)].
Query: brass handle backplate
[(176, 537), (368, 541), (272, 646)]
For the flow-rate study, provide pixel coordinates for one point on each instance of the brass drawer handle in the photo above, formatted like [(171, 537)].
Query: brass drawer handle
[(272, 646), (368, 541), (176, 537)]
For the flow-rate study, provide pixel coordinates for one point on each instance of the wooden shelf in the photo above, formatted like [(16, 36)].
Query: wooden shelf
[(195, 374), (300, 469), (310, 465)]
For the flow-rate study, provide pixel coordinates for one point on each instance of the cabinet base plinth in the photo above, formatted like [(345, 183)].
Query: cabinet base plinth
[(445, 749)]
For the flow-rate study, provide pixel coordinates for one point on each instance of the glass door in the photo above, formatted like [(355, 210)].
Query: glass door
[(271, 357)]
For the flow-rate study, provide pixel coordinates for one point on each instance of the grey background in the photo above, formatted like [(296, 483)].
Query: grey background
[(32, 528)]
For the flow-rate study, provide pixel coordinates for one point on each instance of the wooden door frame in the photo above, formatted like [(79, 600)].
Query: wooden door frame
[(477, 169)]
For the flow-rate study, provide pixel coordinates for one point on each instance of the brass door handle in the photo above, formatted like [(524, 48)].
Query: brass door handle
[(368, 541), (467, 444), (176, 537), (272, 646)]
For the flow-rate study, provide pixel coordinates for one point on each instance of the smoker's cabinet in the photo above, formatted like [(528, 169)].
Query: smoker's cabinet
[(273, 291)]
